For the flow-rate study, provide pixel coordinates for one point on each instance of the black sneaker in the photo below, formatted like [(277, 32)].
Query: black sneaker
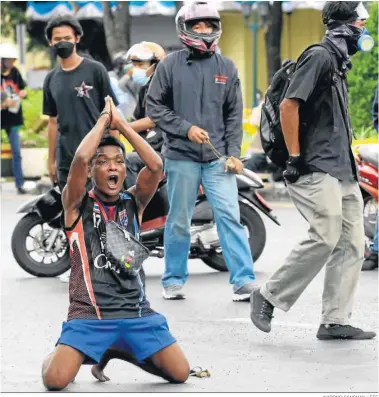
[(261, 311), (371, 262), (21, 190), (347, 332)]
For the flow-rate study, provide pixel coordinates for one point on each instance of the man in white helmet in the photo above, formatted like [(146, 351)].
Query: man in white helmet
[(143, 59), (195, 96), (12, 91)]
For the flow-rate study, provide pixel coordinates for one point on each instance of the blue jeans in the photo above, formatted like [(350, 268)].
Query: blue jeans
[(184, 179), (375, 245), (14, 139)]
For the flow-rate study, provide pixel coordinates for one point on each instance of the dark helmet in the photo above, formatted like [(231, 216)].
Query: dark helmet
[(191, 13), (343, 12)]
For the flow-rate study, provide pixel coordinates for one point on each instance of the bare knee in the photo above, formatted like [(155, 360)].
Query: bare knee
[(181, 373), (55, 378)]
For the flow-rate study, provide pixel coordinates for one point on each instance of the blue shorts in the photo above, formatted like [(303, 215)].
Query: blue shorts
[(143, 336)]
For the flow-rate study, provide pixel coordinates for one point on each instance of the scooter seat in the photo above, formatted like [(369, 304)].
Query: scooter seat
[(369, 154)]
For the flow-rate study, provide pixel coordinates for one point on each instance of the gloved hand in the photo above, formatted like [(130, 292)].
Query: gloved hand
[(291, 174)]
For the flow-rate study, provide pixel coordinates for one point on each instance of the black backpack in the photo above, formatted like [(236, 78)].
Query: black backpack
[(271, 133)]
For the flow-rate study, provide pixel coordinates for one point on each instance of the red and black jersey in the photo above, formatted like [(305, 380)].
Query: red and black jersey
[(98, 290)]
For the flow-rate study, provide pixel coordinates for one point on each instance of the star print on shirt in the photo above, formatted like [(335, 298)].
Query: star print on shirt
[(83, 90)]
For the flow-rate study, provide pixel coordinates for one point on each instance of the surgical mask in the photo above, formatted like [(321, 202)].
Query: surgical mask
[(64, 49), (139, 76)]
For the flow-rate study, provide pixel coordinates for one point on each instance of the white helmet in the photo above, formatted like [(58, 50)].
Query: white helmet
[(8, 51), (146, 51)]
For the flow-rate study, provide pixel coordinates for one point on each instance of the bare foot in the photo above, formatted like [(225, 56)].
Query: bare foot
[(98, 373)]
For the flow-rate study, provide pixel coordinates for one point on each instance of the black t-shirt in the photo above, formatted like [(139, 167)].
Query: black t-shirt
[(325, 141), (76, 98), (11, 85)]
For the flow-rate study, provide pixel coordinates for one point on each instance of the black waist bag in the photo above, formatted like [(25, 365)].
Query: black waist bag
[(123, 250)]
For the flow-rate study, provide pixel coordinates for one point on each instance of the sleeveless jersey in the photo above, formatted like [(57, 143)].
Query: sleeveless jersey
[(96, 289)]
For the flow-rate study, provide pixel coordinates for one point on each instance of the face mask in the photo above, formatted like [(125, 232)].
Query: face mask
[(365, 42), (139, 76), (64, 49), (359, 40)]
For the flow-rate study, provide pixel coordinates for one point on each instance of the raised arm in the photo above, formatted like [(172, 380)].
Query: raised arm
[(149, 177), (75, 189)]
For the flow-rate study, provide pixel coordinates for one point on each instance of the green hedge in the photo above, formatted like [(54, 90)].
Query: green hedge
[(363, 79), (32, 110)]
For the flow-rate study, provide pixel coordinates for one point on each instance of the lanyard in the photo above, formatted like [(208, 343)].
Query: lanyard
[(102, 209)]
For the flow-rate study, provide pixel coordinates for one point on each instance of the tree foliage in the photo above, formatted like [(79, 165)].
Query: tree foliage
[(363, 78), (12, 14)]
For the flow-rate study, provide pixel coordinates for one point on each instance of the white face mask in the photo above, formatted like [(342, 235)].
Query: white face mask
[(139, 76)]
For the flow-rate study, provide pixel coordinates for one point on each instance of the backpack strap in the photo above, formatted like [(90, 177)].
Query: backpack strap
[(337, 66), (335, 71)]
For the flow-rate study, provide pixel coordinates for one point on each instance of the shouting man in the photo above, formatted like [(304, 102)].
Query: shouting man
[(108, 304)]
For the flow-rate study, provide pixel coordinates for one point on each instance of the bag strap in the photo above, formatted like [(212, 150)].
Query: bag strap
[(342, 102), (101, 207), (334, 70)]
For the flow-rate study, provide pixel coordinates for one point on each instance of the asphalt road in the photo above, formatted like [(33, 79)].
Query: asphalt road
[(214, 332)]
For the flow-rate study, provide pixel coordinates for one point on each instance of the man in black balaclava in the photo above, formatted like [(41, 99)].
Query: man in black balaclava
[(322, 179)]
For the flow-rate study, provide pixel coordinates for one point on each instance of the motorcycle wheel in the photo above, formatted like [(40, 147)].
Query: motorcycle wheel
[(257, 238), (28, 248)]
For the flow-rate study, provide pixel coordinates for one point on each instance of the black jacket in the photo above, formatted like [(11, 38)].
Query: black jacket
[(203, 92)]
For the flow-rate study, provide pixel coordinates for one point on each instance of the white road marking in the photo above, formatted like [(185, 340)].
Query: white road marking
[(276, 323)]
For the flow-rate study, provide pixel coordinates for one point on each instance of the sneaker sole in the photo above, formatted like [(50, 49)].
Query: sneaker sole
[(329, 337), (174, 297), (241, 297)]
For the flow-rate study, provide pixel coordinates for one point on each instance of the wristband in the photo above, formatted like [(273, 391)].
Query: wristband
[(110, 117)]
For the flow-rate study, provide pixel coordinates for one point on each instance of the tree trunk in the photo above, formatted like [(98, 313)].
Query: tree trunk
[(273, 38), (117, 27)]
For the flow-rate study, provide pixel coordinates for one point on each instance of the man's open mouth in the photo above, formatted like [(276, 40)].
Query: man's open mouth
[(112, 181)]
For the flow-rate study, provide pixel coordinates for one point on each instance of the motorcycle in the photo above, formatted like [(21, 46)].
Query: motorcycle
[(40, 247), (367, 162)]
